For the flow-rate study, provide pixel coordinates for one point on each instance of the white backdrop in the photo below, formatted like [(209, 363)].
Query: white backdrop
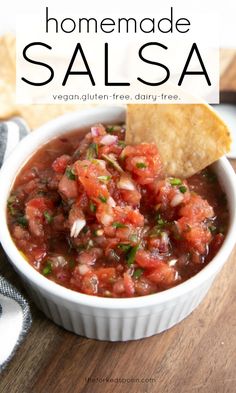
[(9, 9)]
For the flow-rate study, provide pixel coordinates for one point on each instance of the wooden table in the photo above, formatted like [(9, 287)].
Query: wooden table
[(197, 355)]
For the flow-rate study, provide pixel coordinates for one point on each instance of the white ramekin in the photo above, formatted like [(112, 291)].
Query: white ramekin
[(104, 318)]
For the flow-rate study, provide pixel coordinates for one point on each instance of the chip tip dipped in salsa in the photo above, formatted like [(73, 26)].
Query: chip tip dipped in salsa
[(100, 217)]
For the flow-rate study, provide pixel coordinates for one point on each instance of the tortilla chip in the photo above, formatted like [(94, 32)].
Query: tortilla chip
[(189, 137), (34, 115), (7, 64), (7, 82), (6, 100)]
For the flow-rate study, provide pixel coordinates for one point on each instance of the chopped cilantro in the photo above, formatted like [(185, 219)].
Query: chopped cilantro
[(121, 143), (138, 273), (124, 247), (92, 207), (112, 160), (10, 204), (48, 217), (71, 263), (11, 210), (47, 269), (212, 228), (80, 247), (102, 198), (104, 179), (110, 129), (133, 238), (92, 151), (22, 221), (41, 193), (118, 225), (175, 182), (131, 255), (70, 174), (141, 165), (90, 244), (160, 221), (155, 231), (84, 229), (182, 189)]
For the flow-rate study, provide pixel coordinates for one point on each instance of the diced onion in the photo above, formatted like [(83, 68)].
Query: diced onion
[(111, 202), (77, 226), (58, 261), (99, 232), (125, 183), (164, 238), (83, 269), (178, 198), (95, 131), (108, 140), (112, 160), (172, 262), (176, 275), (106, 219), (61, 260), (101, 163)]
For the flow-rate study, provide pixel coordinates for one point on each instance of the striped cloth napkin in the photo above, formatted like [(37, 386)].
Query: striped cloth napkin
[(15, 316)]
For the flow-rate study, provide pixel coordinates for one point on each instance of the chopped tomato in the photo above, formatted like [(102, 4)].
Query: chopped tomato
[(143, 162), (163, 275), (34, 212), (40, 203), (104, 214), (146, 260), (196, 209), (38, 253), (60, 163), (119, 287), (114, 149), (89, 284), (127, 215), (106, 276), (131, 197), (92, 176), (89, 257), (170, 196), (197, 235), (68, 188), (144, 287), (128, 285)]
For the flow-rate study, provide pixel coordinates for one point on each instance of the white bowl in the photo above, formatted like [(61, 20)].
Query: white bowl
[(105, 318)]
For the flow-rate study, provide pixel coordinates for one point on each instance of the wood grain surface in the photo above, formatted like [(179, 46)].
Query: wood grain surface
[(197, 355)]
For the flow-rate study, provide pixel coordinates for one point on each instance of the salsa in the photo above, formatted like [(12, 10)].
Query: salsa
[(100, 217)]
